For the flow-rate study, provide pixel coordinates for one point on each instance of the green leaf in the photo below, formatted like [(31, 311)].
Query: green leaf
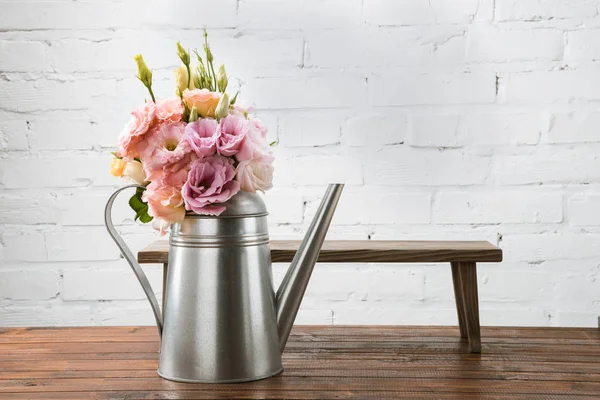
[(273, 143), (139, 206)]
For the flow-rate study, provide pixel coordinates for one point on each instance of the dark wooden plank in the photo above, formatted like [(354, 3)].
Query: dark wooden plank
[(349, 251), (233, 394), (283, 383)]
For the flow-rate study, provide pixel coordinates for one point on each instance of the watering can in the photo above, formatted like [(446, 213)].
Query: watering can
[(222, 320)]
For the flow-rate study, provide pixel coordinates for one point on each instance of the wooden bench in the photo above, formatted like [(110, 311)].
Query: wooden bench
[(462, 256)]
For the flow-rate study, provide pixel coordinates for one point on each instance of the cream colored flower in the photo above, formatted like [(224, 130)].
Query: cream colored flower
[(181, 79), (134, 172)]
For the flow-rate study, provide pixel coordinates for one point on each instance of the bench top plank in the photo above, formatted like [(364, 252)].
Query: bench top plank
[(364, 251)]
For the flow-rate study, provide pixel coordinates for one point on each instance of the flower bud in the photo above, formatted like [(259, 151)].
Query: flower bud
[(181, 80), (222, 80), (222, 109), (193, 115), (183, 54), (144, 73), (117, 166)]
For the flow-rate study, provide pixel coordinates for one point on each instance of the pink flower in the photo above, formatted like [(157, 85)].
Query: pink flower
[(204, 100), (260, 126), (202, 136), (210, 182), (161, 148), (255, 147), (169, 109), (165, 204), (141, 121), (233, 130), (255, 176)]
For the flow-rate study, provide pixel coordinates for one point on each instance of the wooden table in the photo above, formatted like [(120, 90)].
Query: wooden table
[(331, 362), (461, 255)]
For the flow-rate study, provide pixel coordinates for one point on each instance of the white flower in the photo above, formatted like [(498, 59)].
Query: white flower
[(134, 172), (255, 175)]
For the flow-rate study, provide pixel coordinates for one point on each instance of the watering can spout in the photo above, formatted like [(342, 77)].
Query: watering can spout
[(292, 288)]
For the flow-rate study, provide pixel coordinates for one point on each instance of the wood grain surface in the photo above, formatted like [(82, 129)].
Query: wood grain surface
[(321, 362), (349, 251)]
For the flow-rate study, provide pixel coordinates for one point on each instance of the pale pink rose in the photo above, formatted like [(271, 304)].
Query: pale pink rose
[(204, 100), (165, 204), (161, 148), (169, 109), (255, 176), (260, 126), (255, 147), (202, 136), (233, 130), (210, 183), (142, 119), (175, 174)]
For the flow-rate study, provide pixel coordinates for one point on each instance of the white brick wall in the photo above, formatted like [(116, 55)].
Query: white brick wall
[(448, 119)]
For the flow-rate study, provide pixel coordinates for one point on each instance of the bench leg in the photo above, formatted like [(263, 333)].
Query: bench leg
[(458, 297), (467, 272)]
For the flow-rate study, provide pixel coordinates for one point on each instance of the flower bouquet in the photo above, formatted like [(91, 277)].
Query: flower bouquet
[(192, 151)]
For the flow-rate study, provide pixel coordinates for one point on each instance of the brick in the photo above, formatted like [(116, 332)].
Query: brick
[(548, 165), (499, 129), (284, 207), (29, 284), (552, 87), (27, 210), (22, 56), (129, 15), (74, 171), (310, 129), (498, 206), (416, 12), (535, 10), (87, 208), (490, 44), (578, 292), (577, 319), (550, 246), (583, 45), (13, 135), (84, 244), (308, 92), (306, 14), (108, 284), (29, 96), (524, 285), (577, 127), (46, 314), (582, 209), (360, 48), (73, 135), (318, 170), (432, 89), (433, 131), (24, 247), (373, 130), (121, 313), (412, 167), (314, 317), (384, 209)]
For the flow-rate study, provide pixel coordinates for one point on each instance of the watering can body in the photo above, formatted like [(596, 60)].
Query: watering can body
[(223, 321)]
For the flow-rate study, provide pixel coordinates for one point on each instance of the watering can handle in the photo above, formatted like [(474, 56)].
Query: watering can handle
[(126, 252)]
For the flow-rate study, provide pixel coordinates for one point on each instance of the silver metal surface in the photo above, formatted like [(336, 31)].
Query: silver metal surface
[(292, 288), (220, 309), (126, 252)]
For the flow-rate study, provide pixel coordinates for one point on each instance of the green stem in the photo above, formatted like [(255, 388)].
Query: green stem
[(215, 88), (189, 75), (151, 93)]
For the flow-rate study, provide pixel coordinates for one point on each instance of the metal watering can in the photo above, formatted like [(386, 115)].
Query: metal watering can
[(222, 320)]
